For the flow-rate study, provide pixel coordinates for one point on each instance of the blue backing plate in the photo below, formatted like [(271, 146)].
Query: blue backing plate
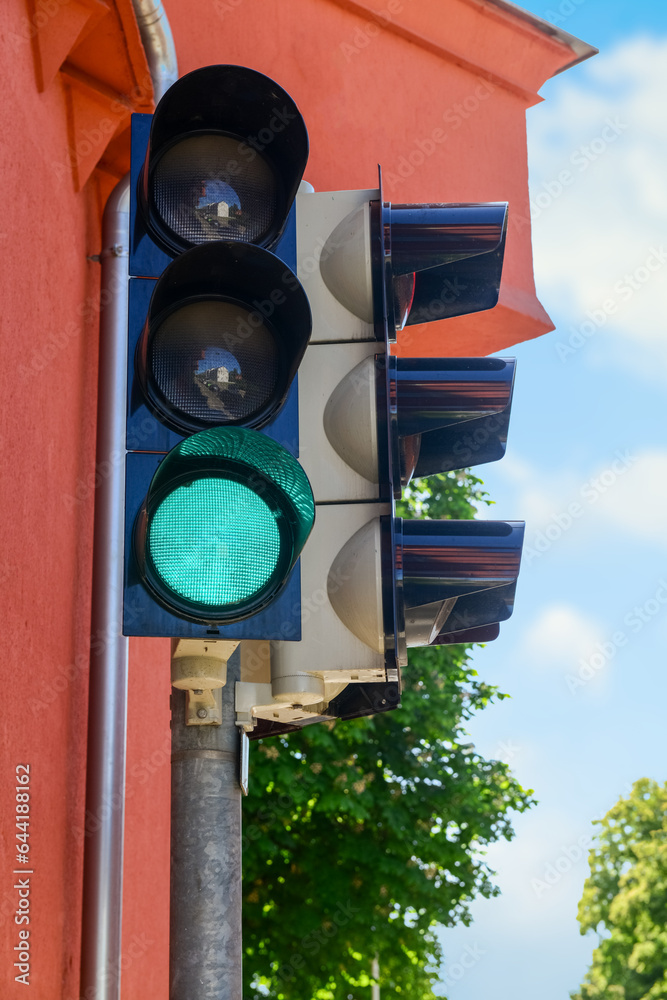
[(148, 440)]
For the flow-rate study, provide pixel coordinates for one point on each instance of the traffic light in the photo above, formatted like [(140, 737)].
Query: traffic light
[(374, 585), (270, 430), (218, 508)]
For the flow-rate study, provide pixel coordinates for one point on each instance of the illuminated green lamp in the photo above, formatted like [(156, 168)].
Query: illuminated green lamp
[(224, 521)]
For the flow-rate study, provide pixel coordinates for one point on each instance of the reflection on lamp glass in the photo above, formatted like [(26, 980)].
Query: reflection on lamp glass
[(205, 189), (215, 361)]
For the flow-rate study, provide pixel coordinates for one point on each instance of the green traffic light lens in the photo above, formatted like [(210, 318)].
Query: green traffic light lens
[(226, 516), (214, 542)]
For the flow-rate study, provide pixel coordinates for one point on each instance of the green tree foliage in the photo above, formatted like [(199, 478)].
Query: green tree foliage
[(361, 835), (625, 899), (457, 495)]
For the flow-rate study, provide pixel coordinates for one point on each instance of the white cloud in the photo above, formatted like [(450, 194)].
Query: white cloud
[(551, 866), (543, 505), (560, 636), (628, 492), (515, 469), (597, 153), (637, 500), (541, 875)]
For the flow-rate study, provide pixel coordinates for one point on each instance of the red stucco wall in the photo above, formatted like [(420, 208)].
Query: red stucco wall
[(439, 101), (442, 110), (49, 351)]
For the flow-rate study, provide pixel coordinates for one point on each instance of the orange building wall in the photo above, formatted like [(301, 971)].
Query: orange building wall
[(49, 227), (436, 92), (49, 350)]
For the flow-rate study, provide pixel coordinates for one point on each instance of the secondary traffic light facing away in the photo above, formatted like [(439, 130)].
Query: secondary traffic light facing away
[(270, 430), (372, 584)]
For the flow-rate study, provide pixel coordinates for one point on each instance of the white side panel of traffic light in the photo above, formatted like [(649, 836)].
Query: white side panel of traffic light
[(354, 588), (337, 395), (346, 263), (329, 651), (344, 259), (351, 419)]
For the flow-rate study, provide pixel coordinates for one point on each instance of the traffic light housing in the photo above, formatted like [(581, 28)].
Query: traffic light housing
[(217, 505), (374, 585), (270, 429)]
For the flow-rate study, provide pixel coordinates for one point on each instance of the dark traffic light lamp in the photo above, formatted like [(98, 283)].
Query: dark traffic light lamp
[(225, 153)]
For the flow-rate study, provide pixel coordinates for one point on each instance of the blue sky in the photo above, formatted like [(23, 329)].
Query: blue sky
[(586, 467)]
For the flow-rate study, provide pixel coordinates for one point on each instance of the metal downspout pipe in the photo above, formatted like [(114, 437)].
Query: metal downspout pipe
[(107, 699), (158, 43), (107, 711)]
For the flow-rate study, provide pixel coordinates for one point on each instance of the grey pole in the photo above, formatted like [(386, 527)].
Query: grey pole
[(205, 891)]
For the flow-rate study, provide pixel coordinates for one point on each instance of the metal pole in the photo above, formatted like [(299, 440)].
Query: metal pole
[(205, 891), (107, 699)]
